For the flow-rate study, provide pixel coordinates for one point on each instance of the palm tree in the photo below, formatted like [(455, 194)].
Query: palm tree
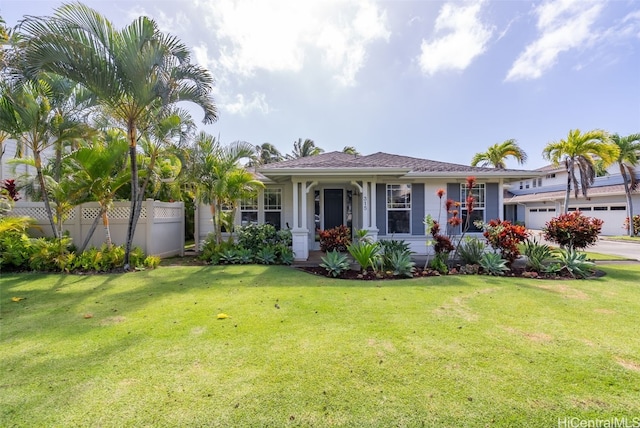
[(219, 178), (581, 151), (25, 113), (627, 161), (304, 149), (350, 150), (266, 153), (133, 72), (98, 171), (497, 153)]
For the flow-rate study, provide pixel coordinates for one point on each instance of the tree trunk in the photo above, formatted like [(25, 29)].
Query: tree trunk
[(105, 224), (627, 193), (45, 196), (92, 229), (569, 166), (133, 218)]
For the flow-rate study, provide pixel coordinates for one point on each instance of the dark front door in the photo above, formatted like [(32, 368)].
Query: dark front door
[(333, 208)]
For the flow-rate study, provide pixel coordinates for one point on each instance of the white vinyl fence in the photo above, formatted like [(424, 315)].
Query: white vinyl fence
[(160, 229)]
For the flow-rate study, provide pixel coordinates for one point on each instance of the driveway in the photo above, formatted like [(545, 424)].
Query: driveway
[(630, 250)]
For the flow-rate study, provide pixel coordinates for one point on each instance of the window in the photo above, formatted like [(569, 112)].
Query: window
[(534, 183), (571, 209), (533, 210), (273, 207), (552, 210), (600, 208), (542, 210), (398, 208), (618, 208), (521, 185), (585, 209), (479, 194), (540, 182), (249, 211), (526, 186)]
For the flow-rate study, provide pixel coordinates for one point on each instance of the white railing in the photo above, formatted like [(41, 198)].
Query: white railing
[(160, 229)]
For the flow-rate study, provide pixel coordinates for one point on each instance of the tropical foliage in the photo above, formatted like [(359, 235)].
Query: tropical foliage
[(579, 153), (302, 149), (573, 230), (135, 73), (497, 154), (629, 147)]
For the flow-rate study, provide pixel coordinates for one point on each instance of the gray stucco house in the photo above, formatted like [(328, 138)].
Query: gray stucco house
[(388, 195)]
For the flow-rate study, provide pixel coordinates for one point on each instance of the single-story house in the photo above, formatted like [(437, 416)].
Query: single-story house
[(387, 195)]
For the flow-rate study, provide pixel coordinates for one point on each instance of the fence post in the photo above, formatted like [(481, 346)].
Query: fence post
[(196, 225), (182, 223), (149, 250)]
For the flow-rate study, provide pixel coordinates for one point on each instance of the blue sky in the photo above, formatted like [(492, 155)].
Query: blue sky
[(430, 79)]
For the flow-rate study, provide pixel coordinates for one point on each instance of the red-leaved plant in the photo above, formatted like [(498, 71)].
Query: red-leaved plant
[(505, 237), (573, 230), (337, 238)]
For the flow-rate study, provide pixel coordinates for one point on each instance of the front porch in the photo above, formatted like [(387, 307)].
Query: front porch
[(326, 203)]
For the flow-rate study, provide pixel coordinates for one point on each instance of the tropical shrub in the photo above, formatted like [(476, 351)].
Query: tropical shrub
[(573, 230), (335, 263), (258, 235), (399, 262), (471, 250), (337, 238), (394, 245), (50, 254), (493, 264), (439, 263), (574, 263), (266, 255), (244, 255), (505, 237), (539, 255), (286, 255), (636, 224), (229, 256), (365, 253)]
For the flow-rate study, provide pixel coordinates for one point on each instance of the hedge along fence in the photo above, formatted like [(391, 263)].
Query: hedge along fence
[(160, 229)]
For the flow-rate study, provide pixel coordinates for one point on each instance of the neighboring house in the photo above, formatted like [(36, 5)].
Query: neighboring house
[(536, 200), (8, 152), (387, 195)]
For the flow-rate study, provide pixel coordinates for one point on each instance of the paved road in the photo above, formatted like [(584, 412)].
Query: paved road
[(629, 250)]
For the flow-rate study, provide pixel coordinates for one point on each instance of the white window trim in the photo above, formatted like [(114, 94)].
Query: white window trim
[(409, 208)]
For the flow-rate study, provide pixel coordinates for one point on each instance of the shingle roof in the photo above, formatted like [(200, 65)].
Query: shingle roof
[(379, 160), (615, 189)]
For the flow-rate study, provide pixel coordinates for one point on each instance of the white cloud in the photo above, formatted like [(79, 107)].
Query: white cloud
[(564, 25), (462, 37), (241, 106), (281, 35)]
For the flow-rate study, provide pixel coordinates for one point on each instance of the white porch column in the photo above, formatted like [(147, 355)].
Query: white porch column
[(374, 223), (365, 205), (296, 186), (300, 233), (501, 199)]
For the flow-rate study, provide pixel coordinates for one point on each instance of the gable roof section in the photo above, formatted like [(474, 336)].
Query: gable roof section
[(381, 164)]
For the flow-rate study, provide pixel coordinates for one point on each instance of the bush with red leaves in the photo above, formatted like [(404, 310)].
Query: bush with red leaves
[(573, 230), (505, 237), (337, 238)]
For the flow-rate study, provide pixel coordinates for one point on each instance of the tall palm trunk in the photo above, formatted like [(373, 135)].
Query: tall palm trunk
[(45, 197), (627, 193), (569, 166), (105, 224), (133, 211), (92, 229)]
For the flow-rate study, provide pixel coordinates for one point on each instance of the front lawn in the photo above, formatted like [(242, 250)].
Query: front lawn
[(147, 349)]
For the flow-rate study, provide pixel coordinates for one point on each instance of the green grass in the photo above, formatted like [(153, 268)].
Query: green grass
[(301, 350), (622, 238)]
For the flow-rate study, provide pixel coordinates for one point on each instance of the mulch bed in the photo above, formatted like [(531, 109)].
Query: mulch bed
[(421, 273)]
